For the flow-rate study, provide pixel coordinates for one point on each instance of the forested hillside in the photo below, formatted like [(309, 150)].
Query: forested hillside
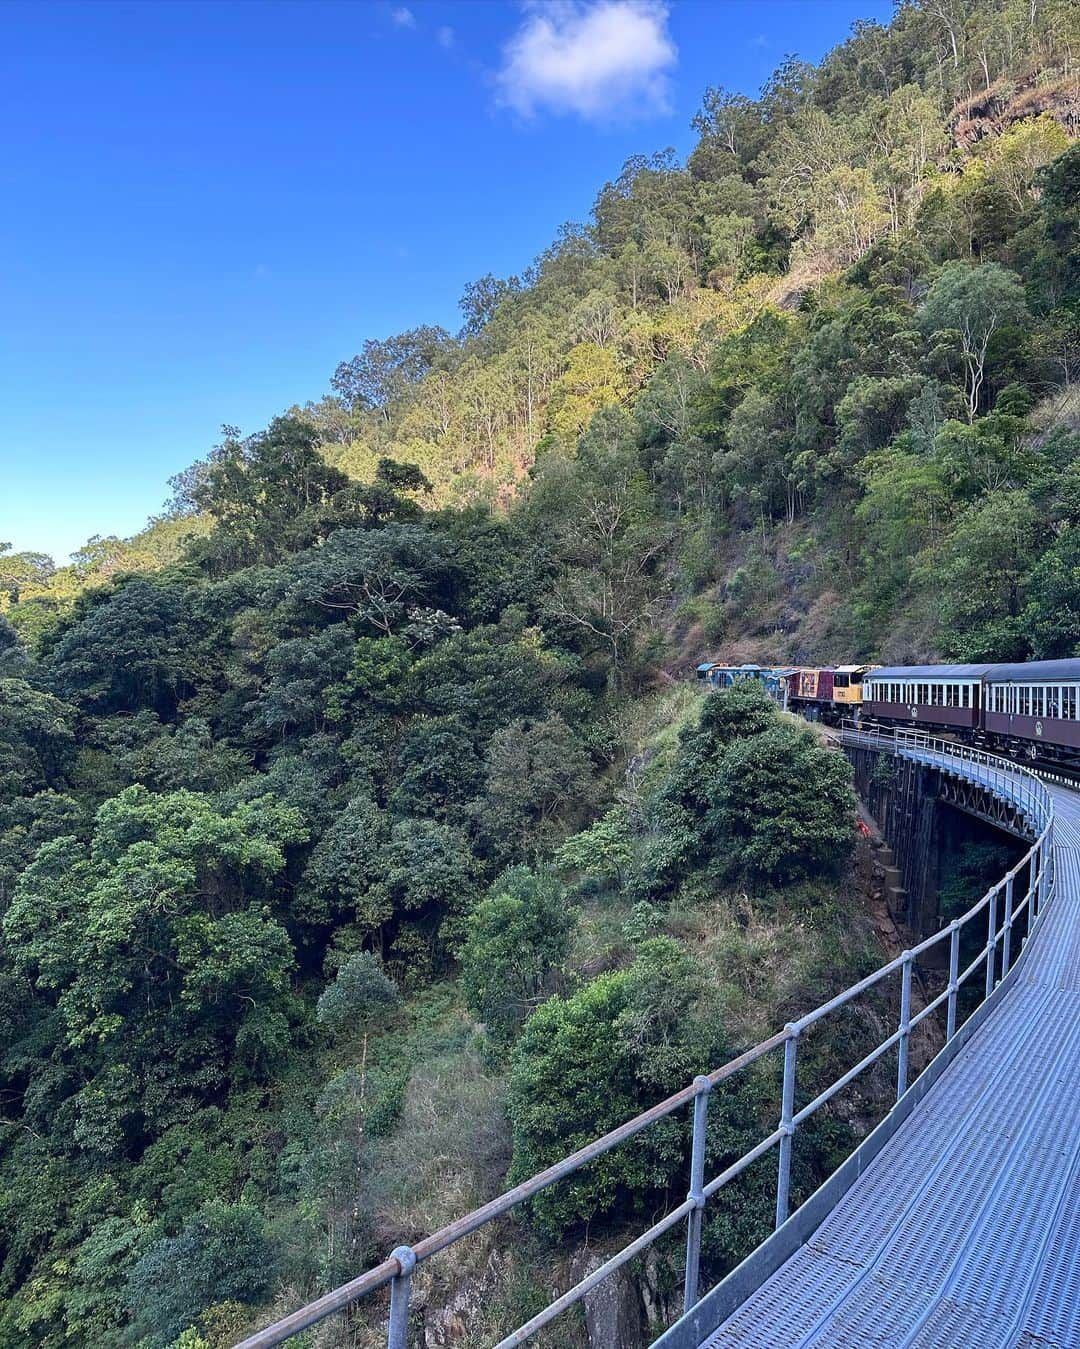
[(358, 817)]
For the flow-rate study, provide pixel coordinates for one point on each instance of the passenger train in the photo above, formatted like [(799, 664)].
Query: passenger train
[(1032, 709)]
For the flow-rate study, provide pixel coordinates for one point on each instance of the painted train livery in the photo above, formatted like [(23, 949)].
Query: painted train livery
[(1032, 709)]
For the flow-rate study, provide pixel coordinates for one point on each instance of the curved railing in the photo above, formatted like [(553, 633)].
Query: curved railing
[(1017, 784)]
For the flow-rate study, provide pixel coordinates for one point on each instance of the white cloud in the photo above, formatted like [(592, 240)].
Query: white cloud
[(403, 17), (445, 37), (603, 59)]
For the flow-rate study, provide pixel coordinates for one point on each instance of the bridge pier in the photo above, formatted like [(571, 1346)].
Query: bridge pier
[(925, 817), (901, 797)]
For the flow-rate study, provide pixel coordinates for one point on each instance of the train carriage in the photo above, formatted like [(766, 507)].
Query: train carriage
[(1035, 706), (945, 697)]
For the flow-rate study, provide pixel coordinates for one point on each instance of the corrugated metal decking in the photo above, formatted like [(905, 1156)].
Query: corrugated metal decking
[(965, 1231)]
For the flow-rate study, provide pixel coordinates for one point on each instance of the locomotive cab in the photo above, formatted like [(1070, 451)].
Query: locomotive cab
[(848, 684)]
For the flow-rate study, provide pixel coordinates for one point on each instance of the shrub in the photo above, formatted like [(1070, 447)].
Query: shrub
[(221, 1254), (782, 806), (359, 991), (587, 1063), (518, 937)]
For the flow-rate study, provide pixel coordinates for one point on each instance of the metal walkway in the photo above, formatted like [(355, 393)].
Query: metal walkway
[(964, 1233)]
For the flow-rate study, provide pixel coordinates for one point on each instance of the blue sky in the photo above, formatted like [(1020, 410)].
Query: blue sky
[(208, 206)]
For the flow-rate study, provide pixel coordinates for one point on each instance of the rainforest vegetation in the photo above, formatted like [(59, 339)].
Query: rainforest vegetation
[(365, 843)]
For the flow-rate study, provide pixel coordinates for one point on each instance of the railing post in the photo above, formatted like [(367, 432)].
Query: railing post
[(1036, 881), (1042, 881), (1006, 944), (991, 942), (787, 1109), (954, 970), (905, 1024), (400, 1291), (696, 1192)]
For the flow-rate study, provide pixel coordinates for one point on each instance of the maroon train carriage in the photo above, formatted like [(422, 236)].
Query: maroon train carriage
[(939, 697), (1034, 708)]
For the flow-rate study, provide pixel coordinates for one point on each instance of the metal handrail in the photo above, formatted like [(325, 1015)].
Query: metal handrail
[(1016, 783)]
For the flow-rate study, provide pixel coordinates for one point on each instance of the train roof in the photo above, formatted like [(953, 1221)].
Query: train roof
[(1049, 670), (904, 672)]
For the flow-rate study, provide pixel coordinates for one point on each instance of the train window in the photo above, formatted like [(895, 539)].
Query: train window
[(1025, 701), (1037, 702), (840, 681), (1052, 701), (1068, 702)]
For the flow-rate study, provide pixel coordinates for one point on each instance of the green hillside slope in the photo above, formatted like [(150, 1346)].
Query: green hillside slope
[(360, 809)]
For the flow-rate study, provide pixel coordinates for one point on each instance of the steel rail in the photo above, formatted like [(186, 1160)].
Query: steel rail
[(1014, 782)]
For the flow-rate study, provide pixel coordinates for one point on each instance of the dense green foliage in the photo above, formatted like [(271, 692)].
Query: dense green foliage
[(348, 785)]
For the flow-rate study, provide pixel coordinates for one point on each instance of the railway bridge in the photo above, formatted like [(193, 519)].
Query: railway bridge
[(956, 1222)]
